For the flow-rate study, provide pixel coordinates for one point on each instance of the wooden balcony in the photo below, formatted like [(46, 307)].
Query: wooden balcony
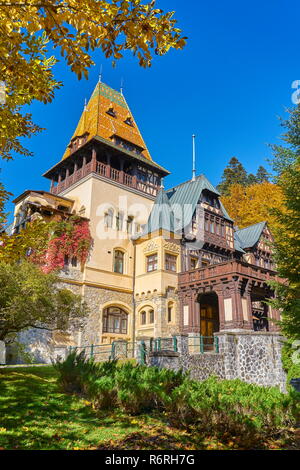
[(108, 173), (227, 270)]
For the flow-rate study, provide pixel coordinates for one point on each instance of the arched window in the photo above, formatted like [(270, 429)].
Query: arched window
[(143, 318), (151, 316), (108, 218), (119, 261), (115, 320)]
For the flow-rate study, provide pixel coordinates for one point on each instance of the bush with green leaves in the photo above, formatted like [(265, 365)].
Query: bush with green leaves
[(74, 371), (214, 405), (142, 388), (232, 406)]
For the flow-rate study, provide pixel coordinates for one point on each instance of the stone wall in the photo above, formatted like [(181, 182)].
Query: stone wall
[(253, 357)]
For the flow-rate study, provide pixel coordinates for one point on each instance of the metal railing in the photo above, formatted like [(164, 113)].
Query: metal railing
[(100, 352), (203, 344)]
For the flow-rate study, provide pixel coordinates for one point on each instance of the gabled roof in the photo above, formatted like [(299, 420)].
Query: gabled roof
[(187, 195), (161, 216), (238, 243), (247, 237)]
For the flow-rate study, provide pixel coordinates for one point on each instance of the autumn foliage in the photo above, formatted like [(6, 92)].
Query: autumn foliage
[(47, 244), (75, 29), (249, 205)]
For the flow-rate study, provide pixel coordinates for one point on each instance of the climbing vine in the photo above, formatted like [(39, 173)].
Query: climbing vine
[(47, 244), (70, 238)]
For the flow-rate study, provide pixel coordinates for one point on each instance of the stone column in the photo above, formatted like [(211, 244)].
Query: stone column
[(253, 356), (182, 344)]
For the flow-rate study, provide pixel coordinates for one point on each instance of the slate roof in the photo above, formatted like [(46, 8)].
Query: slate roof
[(187, 195), (247, 237), (161, 216), (173, 209)]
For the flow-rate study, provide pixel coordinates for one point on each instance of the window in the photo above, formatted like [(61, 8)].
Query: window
[(194, 262), (108, 218), (206, 225), (111, 112), (129, 224), (204, 263), (170, 312), (212, 226), (171, 262), (118, 262), (129, 121), (119, 221), (152, 263), (143, 318), (114, 321), (74, 261), (151, 316)]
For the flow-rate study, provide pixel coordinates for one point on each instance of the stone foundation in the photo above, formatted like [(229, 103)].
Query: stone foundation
[(254, 357)]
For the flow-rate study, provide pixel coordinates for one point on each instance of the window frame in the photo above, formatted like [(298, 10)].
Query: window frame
[(150, 263), (118, 250)]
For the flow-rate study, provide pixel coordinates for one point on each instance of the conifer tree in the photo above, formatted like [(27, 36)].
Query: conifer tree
[(234, 173), (262, 175)]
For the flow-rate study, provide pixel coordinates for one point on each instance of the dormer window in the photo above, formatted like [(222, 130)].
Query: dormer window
[(129, 121), (111, 112)]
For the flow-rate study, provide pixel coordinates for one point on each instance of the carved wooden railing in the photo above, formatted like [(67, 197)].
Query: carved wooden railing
[(109, 173), (226, 269)]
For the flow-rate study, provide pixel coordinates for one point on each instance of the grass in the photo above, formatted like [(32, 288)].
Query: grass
[(35, 414)]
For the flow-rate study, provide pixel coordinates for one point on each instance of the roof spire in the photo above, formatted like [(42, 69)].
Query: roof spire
[(162, 184), (194, 159), (100, 74), (122, 85), (85, 103)]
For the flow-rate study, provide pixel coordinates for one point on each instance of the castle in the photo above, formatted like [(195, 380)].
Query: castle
[(163, 262)]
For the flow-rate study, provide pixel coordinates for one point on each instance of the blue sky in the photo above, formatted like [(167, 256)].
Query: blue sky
[(228, 86)]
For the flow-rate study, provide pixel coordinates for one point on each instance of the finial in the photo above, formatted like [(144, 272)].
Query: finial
[(162, 184), (122, 85), (194, 159), (100, 74), (85, 103)]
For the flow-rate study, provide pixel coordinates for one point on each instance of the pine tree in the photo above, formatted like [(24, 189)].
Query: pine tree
[(234, 173), (251, 179), (287, 246), (262, 175)]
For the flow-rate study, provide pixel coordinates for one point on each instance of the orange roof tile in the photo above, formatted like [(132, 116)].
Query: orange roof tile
[(97, 122)]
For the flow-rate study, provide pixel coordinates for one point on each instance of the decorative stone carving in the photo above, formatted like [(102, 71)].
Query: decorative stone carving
[(171, 247), (150, 246)]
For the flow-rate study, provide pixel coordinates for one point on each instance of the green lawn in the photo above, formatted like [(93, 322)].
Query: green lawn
[(34, 414)]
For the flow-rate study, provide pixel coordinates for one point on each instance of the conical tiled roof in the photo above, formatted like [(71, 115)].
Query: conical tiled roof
[(106, 115)]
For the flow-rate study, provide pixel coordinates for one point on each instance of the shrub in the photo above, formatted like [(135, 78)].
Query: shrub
[(214, 405), (76, 372), (141, 388), (231, 406)]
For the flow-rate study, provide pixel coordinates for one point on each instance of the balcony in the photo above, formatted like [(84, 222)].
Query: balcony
[(225, 270), (108, 173)]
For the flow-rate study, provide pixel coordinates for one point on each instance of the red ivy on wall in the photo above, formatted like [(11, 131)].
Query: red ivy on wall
[(70, 238)]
